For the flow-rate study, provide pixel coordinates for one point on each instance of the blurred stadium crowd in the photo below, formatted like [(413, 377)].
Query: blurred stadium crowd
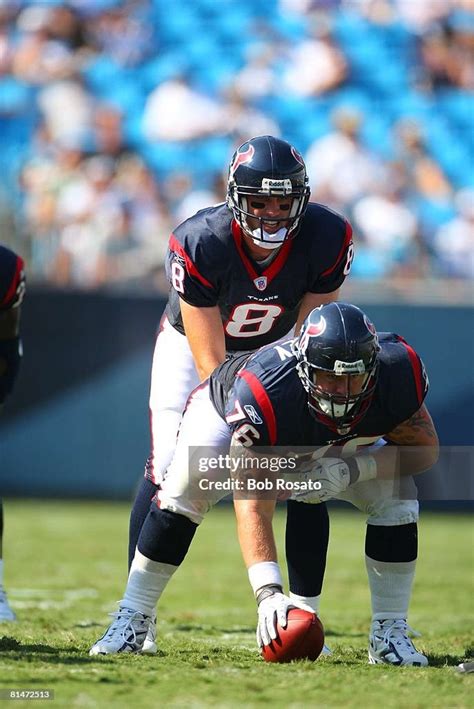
[(118, 120)]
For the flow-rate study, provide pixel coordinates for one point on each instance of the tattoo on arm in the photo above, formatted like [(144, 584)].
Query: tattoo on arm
[(418, 430)]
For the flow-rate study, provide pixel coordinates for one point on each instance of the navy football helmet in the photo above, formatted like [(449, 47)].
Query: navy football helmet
[(338, 339), (267, 166)]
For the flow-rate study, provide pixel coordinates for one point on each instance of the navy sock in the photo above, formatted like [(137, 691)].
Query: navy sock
[(393, 544), (166, 536), (307, 538), (140, 509)]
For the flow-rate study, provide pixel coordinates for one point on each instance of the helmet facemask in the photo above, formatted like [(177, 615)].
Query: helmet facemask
[(265, 166), (337, 361), (239, 198), (341, 408)]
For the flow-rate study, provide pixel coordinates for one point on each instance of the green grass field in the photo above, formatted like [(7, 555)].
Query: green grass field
[(66, 567)]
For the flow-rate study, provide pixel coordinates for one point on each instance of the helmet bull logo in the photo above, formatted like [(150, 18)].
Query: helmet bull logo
[(297, 156), (242, 158), (313, 330)]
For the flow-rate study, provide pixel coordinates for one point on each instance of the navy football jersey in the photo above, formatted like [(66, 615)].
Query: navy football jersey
[(12, 279), (261, 395), (207, 266), (12, 288)]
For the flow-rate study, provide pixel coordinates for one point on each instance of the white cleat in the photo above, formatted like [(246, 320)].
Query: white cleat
[(6, 613), (126, 633), (390, 644), (149, 646)]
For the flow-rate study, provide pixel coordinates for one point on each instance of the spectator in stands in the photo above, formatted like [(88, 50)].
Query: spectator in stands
[(446, 51), (41, 56), (341, 168), (107, 130), (420, 15), (257, 79), (175, 111), (241, 113), (67, 108), (424, 175), (316, 65), (454, 242), (186, 198), (388, 228), (426, 188), (86, 69)]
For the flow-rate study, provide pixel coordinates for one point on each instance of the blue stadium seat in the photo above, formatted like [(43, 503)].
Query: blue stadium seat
[(166, 66), (458, 105)]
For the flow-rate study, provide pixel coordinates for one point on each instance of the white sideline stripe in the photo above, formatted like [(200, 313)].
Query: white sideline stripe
[(72, 593), (47, 598)]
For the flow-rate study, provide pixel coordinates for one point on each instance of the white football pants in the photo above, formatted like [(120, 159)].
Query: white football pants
[(173, 377), (189, 485)]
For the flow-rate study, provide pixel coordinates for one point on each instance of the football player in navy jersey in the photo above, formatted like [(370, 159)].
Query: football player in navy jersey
[(12, 288), (242, 274), (319, 397)]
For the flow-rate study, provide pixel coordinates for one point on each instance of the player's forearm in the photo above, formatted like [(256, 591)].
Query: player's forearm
[(396, 460), (257, 543), (311, 301), (255, 531), (203, 328), (393, 461), (207, 362)]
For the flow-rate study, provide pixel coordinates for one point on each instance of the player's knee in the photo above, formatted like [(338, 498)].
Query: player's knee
[(393, 512), (193, 510), (166, 536)]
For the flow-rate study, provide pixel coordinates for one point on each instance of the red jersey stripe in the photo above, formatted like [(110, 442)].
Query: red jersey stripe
[(417, 371), (342, 252), (261, 396), (175, 246), (14, 283)]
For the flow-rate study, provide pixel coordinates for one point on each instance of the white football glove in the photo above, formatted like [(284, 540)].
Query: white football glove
[(272, 610), (333, 477)]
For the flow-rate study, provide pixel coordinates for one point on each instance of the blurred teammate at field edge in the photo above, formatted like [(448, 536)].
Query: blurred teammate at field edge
[(335, 388), (12, 288), (242, 274)]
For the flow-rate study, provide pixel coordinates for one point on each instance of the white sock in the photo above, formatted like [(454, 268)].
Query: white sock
[(1, 573), (311, 601), (146, 582), (390, 587)]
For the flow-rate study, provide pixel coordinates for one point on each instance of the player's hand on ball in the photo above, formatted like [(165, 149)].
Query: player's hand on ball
[(330, 475), (273, 610)]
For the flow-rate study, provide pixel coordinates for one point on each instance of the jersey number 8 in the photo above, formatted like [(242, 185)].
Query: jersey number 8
[(252, 319)]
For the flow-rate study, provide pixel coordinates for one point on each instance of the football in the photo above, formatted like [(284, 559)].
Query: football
[(302, 639)]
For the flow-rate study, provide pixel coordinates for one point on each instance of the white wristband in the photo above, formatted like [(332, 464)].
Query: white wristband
[(367, 467), (263, 574)]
